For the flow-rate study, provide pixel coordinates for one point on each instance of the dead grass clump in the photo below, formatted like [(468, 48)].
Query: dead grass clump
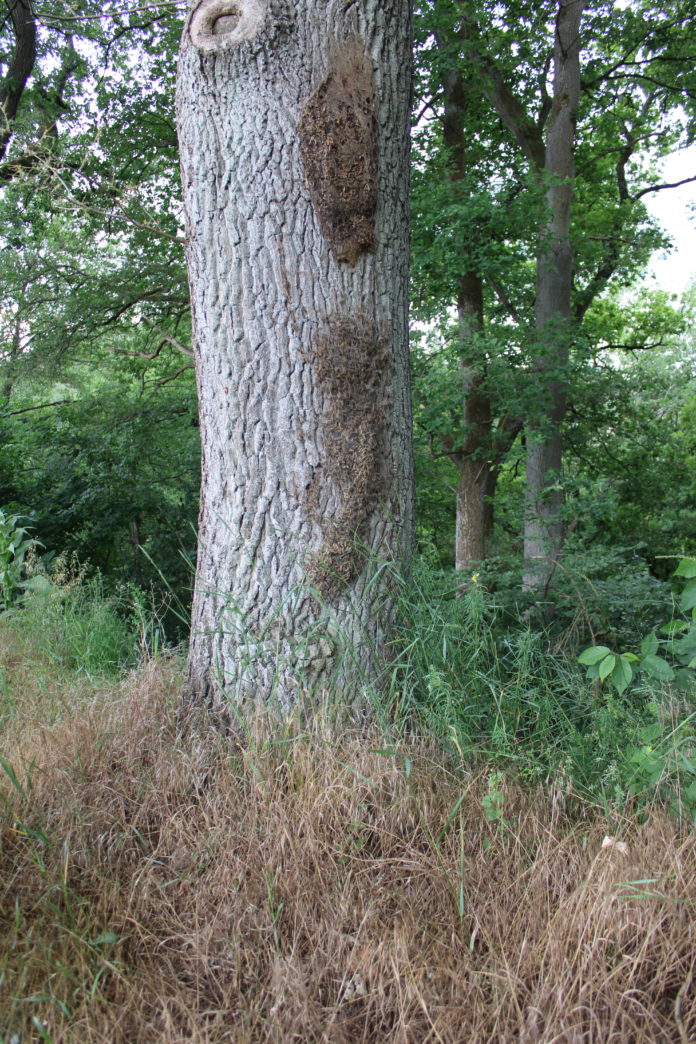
[(311, 890)]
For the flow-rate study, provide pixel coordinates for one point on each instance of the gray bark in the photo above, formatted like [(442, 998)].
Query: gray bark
[(543, 499), (293, 125)]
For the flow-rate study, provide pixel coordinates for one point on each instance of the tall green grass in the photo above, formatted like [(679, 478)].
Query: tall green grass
[(500, 690)]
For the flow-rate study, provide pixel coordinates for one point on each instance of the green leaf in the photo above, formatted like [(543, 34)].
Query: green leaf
[(621, 675), (688, 596), (107, 939), (687, 568), (607, 666), (649, 733), (12, 776), (686, 764), (658, 668), (685, 654), (674, 626), (593, 655), (685, 647), (649, 645), (38, 584)]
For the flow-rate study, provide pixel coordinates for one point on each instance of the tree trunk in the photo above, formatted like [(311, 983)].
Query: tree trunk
[(543, 498), (473, 459), (293, 124), (470, 544)]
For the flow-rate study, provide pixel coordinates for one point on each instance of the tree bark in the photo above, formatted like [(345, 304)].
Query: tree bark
[(473, 460), (20, 68), (293, 125), (543, 528)]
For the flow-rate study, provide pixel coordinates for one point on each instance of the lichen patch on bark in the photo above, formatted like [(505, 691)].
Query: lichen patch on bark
[(353, 370), (338, 143)]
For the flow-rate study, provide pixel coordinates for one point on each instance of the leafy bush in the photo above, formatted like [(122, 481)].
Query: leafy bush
[(670, 658), (493, 689), (15, 545), (598, 592), (663, 760)]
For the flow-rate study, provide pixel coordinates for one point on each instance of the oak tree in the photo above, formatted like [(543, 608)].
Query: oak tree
[(293, 128)]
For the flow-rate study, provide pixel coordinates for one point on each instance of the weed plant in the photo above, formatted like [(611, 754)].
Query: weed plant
[(65, 626), (510, 695)]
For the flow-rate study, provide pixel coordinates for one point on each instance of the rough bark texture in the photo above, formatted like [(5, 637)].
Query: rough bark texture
[(294, 143), (543, 526)]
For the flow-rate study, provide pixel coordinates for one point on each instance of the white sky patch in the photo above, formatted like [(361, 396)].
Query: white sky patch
[(675, 209)]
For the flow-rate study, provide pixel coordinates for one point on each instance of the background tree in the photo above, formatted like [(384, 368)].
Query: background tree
[(496, 64)]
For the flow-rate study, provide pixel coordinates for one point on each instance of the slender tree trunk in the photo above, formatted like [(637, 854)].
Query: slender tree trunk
[(293, 123), (473, 459), (471, 533), (543, 498)]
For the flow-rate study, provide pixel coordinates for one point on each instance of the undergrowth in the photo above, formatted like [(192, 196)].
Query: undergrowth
[(509, 694), (401, 883)]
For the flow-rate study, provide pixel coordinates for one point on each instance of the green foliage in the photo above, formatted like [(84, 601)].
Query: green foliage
[(97, 425), (669, 657), (68, 618), (479, 182), (495, 691), (630, 436), (663, 765), (113, 472), (661, 762), (15, 545), (599, 593)]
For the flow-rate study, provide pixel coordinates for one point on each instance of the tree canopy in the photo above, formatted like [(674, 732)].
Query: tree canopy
[(96, 338)]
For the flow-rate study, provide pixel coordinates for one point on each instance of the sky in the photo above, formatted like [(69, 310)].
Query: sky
[(675, 209)]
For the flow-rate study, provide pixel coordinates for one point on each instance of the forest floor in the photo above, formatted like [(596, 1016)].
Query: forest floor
[(315, 887)]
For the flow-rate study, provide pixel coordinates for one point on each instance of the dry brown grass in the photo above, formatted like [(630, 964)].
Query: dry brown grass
[(310, 890)]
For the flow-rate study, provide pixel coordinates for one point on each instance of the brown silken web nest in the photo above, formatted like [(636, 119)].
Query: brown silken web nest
[(338, 143), (352, 366)]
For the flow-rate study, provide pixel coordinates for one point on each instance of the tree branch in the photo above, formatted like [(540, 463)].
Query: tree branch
[(661, 188), (45, 17), (20, 69), (44, 406)]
